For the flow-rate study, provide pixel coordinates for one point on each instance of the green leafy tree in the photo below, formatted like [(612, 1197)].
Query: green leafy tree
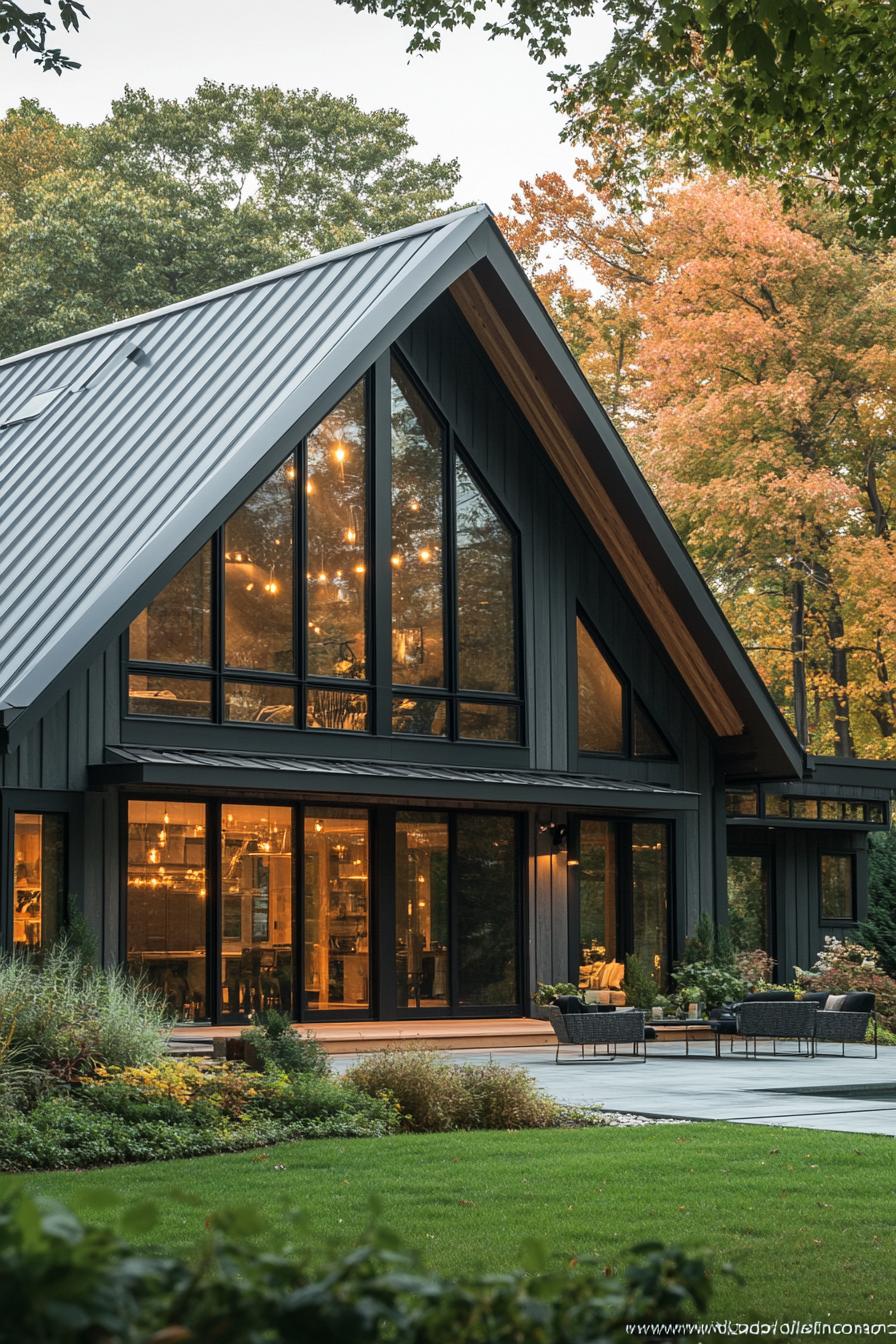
[(879, 928), (163, 200), (29, 30), (799, 90)]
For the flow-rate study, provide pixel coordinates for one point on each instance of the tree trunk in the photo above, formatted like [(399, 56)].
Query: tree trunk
[(840, 676), (883, 706), (798, 659)]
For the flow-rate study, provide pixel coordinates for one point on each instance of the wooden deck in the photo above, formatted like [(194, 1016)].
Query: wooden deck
[(344, 1038)]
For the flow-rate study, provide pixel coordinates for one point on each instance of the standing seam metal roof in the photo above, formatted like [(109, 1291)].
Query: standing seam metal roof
[(86, 486)]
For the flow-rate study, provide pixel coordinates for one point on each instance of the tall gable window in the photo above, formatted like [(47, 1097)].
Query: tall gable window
[(453, 586), (270, 623), (611, 720), (600, 698)]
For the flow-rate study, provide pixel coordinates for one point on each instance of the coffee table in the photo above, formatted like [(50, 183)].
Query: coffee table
[(685, 1024)]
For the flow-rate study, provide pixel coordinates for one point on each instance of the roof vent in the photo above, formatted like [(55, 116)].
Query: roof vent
[(33, 406), (39, 402)]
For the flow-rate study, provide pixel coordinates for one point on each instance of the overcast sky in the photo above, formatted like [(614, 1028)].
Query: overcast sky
[(485, 103)]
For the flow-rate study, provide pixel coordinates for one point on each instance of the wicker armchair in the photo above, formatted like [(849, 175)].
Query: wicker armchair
[(594, 1029), (775, 1020), (843, 1028)]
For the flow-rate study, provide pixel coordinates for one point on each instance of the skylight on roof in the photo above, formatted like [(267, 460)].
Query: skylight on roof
[(33, 406)]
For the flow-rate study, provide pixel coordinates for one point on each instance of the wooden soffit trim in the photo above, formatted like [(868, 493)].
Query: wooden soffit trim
[(562, 447)]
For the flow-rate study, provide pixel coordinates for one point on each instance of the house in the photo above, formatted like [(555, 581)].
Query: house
[(348, 664)]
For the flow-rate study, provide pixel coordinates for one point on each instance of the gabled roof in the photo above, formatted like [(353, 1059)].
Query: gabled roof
[(166, 422)]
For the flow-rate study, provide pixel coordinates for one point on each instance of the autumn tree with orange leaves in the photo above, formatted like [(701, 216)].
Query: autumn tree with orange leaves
[(749, 354)]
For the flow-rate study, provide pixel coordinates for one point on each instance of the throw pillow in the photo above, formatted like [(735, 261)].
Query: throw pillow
[(834, 1003)]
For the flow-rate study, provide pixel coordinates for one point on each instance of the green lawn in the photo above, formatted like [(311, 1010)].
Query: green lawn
[(805, 1217)]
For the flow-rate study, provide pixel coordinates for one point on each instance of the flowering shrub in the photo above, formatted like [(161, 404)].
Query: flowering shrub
[(755, 968), (843, 965)]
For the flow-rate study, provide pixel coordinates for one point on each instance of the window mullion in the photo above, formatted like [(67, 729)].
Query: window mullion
[(380, 544)]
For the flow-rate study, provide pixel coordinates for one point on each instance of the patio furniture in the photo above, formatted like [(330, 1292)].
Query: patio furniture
[(844, 1019), (777, 1020), (611, 1029), (683, 1026)]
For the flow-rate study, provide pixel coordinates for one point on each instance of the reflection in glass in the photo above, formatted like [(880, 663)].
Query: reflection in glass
[(340, 711), (424, 716), (597, 905), (838, 887), (647, 740), (489, 723), (748, 901), (38, 879), (249, 702), (599, 697), (488, 909), (169, 697), (417, 538), (166, 909), (741, 802), (256, 909), (258, 577), (176, 627), (486, 619), (421, 909), (336, 542), (650, 896), (337, 910)]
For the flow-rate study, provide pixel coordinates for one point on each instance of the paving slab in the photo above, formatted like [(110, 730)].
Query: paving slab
[(763, 1091)]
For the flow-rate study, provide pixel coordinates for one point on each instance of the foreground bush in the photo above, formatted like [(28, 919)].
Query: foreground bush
[(433, 1095), (71, 1284), (176, 1109), (64, 1016), (278, 1045)]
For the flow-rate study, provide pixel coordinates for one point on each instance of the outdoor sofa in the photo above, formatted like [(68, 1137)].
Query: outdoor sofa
[(581, 1024), (816, 1019)]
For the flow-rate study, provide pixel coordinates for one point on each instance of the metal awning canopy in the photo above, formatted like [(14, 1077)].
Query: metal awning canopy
[(216, 770)]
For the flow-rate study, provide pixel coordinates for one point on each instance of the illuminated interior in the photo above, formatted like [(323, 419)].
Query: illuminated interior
[(166, 906), (256, 909), (38, 879), (421, 910), (337, 910)]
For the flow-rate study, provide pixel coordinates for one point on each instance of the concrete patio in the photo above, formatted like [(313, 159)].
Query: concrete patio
[(743, 1091)]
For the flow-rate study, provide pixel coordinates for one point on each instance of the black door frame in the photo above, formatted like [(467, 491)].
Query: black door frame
[(382, 991), (764, 850), (624, 913)]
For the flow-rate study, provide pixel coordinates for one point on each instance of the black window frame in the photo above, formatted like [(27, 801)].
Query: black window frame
[(453, 694), (51, 802), (839, 921), (377, 686)]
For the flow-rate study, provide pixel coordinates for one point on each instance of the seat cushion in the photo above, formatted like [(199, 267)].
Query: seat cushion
[(859, 1001), (570, 1003)]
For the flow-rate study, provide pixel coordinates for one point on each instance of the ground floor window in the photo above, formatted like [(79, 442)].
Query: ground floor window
[(622, 898), (837, 885), (235, 908), (749, 900), (38, 879)]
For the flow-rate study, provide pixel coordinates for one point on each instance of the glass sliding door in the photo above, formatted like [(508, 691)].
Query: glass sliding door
[(650, 896), (749, 893), (336, 933), (421, 910), (166, 902), (256, 909), (598, 941), (487, 918)]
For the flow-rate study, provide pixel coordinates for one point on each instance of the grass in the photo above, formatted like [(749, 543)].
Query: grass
[(806, 1218)]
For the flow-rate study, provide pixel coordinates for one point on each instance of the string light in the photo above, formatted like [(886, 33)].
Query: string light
[(396, 560), (360, 569), (340, 453), (350, 536), (318, 826), (415, 506), (425, 554)]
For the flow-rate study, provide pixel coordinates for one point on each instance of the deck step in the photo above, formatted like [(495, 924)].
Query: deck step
[(349, 1038)]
